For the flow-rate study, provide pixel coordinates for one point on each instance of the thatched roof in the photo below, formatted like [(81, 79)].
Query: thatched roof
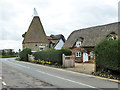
[(35, 33), (92, 35)]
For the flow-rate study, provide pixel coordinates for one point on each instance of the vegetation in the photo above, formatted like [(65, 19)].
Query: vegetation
[(24, 54), (107, 56), (18, 59), (45, 62), (52, 55), (88, 62), (8, 56)]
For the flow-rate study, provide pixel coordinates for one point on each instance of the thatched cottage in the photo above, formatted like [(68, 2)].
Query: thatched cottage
[(83, 41)]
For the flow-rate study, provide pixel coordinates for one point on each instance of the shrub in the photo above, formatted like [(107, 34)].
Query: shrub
[(17, 59), (88, 62), (24, 54), (8, 56), (52, 55), (106, 54), (67, 52)]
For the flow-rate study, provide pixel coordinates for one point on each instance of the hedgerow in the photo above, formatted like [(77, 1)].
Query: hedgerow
[(24, 54), (107, 54), (52, 55)]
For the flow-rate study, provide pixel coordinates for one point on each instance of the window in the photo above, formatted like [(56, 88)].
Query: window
[(35, 44), (110, 38), (78, 54), (42, 48), (51, 45), (78, 43), (91, 54)]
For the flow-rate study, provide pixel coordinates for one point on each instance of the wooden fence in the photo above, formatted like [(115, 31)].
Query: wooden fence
[(68, 61)]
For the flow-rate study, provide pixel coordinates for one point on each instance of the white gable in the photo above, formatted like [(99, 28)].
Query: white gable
[(59, 44)]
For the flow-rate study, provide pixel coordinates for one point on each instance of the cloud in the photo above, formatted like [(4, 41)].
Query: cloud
[(57, 16)]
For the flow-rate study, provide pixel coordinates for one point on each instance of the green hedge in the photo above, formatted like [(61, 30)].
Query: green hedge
[(52, 55), (24, 54), (106, 54), (8, 56)]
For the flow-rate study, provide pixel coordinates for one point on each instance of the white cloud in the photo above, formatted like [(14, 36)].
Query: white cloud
[(57, 16)]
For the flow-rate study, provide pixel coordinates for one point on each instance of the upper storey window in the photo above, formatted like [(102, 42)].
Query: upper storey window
[(78, 43), (112, 36)]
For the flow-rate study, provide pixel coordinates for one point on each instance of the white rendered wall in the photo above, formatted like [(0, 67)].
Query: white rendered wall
[(59, 44)]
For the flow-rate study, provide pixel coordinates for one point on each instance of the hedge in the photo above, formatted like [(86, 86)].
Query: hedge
[(106, 54), (24, 54), (8, 56), (52, 55)]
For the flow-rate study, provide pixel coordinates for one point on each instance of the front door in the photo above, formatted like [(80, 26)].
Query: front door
[(85, 57)]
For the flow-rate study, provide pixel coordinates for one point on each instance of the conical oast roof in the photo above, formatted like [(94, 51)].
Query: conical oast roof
[(35, 33)]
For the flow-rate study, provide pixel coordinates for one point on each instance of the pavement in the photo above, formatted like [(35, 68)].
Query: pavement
[(87, 68), (39, 76)]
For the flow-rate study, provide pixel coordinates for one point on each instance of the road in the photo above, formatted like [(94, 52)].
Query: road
[(53, 77)]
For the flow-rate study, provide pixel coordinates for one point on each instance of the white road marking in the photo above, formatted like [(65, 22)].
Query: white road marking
[(68, 71), (4, 83), (66, 79), (71, 72)]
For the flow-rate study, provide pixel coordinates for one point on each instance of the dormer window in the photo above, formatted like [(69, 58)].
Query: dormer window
[(112, 36), (78, 43)]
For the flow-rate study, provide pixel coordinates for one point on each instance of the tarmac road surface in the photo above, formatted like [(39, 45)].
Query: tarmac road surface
[(40, 76)]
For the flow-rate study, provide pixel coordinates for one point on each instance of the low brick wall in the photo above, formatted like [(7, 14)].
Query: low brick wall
[(84, 67)]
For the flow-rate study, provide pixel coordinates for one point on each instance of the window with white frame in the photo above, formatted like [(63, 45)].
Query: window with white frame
[(78, 43), (91, 54), (42, 48), (78, 54)]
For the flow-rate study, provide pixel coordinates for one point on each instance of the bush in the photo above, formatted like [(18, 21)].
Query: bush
[(106, 54), (8, 56), (52, 55), (67, 52), (88, 62), (17, 59), (24, 54)]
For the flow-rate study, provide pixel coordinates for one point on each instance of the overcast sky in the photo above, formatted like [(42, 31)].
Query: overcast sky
[(57, 17)]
